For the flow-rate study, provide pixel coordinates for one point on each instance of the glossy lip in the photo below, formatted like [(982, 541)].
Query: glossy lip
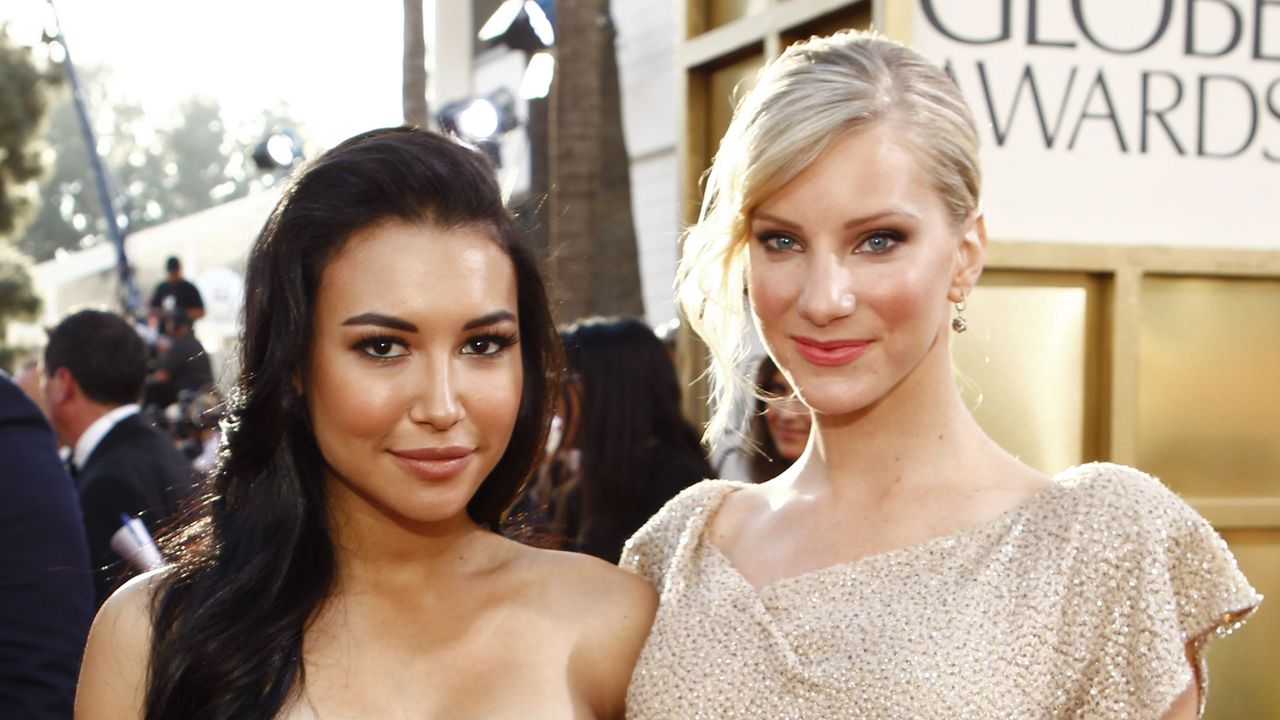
[(434, 463), (830, 353)]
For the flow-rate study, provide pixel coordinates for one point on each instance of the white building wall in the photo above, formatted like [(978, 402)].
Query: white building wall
[(449, 43), (647, 75), (656, 211)]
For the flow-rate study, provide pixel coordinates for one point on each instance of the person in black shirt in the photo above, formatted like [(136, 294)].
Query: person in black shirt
[(176, 294)]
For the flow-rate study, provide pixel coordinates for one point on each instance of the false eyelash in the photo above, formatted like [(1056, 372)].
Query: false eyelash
[(365, 342), (502, 340)]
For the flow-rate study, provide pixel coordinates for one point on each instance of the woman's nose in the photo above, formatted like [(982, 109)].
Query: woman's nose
[(827, 294), (435, 400)]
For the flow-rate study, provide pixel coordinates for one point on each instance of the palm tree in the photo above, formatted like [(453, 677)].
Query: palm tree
[(594, 263), (414, 89)]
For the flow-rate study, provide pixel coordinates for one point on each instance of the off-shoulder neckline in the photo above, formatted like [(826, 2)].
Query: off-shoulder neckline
[(724, 488)]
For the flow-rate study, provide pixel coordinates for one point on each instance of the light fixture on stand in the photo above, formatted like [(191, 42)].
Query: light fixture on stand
[(481, 121), (526, 26), (520, 24), (280, 150)]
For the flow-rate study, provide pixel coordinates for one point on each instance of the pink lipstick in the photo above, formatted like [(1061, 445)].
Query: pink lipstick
[(434, 463), (830, 353)]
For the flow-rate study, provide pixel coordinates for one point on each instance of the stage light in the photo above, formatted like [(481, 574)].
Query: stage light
[(537, 76), (280, 150), (519, 24), (540, 22), (480, 118), (501, 20)]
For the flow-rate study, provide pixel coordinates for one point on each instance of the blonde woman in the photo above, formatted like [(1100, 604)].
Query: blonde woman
[(905, 565)]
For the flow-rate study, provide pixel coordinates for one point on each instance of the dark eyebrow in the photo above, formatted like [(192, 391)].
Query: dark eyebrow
[(395, 323), (381, 320), (492, 318)]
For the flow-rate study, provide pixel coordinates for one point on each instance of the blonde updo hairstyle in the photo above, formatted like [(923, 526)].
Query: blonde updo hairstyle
[(812, 94)]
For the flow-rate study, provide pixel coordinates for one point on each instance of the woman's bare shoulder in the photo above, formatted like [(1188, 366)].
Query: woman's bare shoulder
[(580, 583), (607, 611), (113, 673)]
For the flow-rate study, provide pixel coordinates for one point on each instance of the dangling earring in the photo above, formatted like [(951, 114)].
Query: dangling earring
[(958, 323)]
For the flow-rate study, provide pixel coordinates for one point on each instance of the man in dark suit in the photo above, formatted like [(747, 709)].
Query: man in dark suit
[(46, 594), (95, 366)]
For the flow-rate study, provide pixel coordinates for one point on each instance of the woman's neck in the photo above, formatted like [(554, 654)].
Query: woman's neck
[(375, 551), (919, 434)]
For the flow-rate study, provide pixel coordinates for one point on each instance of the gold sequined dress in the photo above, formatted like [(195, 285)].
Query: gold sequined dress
[(1076, 604)]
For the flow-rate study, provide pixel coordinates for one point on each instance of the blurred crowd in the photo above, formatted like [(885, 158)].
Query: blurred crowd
[(105, 438)]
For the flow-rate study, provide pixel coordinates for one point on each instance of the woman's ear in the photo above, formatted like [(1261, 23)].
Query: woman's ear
[(970, 255)]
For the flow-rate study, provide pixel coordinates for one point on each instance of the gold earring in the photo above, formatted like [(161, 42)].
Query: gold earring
[(958, 323)]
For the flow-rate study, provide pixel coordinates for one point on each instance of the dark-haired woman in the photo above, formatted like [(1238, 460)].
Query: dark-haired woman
[(634, 450), (780, 424), (393, 398)]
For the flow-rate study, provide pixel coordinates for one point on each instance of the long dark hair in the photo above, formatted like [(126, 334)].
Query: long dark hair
[(249, 574), (630, 402)]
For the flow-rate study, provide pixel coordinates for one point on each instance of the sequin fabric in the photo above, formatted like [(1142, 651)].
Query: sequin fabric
[(1077, 604)]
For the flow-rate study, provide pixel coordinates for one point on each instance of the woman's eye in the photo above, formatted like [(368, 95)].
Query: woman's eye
[(384, 348), (487, 345), (878, 243), (481, 347), (778, 241)]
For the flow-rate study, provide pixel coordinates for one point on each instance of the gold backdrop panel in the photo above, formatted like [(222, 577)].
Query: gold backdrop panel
[(720, 12), (857, 17), (1242, 666), (1209, 389), (1023, 363), (727, 84)]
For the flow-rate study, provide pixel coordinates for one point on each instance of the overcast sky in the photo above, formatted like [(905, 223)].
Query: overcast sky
[(336, 63)]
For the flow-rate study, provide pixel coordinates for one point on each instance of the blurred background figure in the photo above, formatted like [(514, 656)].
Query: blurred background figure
[(95, 369), (181, 363), (625, 447), (193, 423), (46, 596), (776, 434), (668, 332), (539, 516), (175, 294), (29, 378), (779, 425)]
